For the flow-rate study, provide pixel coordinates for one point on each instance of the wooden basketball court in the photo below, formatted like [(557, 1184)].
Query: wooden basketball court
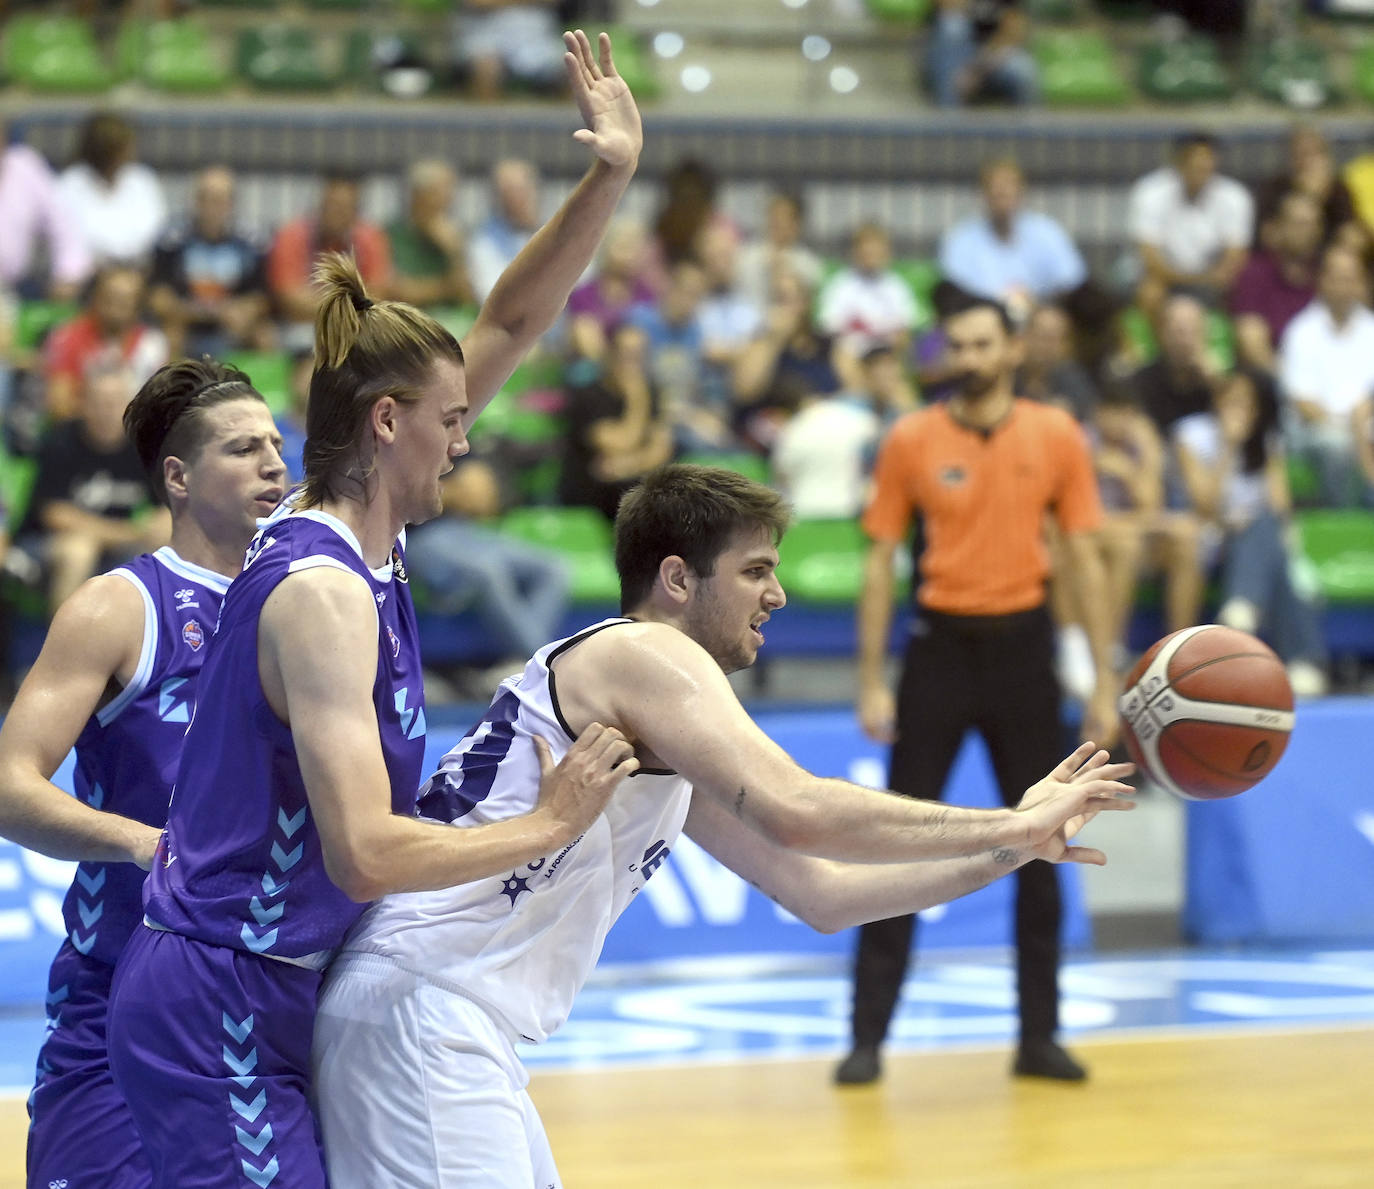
[(1199, 1112)]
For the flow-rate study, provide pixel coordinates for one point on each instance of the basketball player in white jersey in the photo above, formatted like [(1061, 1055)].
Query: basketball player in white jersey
[(416, 1075)]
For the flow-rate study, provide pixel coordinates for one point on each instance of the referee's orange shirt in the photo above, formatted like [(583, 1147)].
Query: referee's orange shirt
[(983, 496)]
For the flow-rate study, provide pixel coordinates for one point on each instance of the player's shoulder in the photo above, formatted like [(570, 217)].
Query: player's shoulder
[(635, 647), (107, 611), (1046, 418)]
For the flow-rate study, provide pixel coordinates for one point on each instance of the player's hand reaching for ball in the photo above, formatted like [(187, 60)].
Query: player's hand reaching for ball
[(575, 790), (613, 130), (1056, 808)]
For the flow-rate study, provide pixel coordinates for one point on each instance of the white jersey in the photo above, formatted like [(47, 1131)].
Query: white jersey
[(522, 945)]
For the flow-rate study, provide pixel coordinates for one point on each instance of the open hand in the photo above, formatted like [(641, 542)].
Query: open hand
[(1057, 807), (608, 109), (575, 791)]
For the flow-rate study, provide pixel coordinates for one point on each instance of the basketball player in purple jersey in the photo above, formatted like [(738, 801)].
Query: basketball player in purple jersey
[(117, 680), (293, 803)]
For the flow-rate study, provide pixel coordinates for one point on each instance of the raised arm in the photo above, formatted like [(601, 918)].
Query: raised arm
[(830, 895), (666, 692), (319, 681), (534, 289), (94, 641)]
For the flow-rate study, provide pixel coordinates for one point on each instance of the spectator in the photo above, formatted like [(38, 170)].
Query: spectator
[(108, 332), (497, 42), (675, 345), (428, 252), (780, 247), (617, 430), (689, 207), (91, 505), (616, 289), (868, 305), (513, 219), (977, 53), (208, 287), (43, 252), (291, 422), (1178, 382), (1278, 280), (1138, 531), (1048, 370), (935, 372), (517, 590), (1232, 462), (1309, 170), (334, 227), (789, 355), (823, 455), (116, 201), (1007, 253), (729, 317), (1191, 225), (1326, 361)]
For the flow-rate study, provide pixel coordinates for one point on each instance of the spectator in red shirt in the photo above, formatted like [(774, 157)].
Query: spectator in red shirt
[(1278, 280), (107, 332), (334, 227)]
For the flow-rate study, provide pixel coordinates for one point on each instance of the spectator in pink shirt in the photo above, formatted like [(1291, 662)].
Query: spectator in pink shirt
[(37, 226), (616, 289)]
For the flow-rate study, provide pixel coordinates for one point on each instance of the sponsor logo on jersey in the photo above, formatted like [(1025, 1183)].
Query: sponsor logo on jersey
[(398, 567), (395, 643), (953, 476), (184, 598), (193, 634)]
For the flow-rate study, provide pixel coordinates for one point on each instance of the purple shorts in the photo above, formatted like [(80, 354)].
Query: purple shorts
[(211, 1048), (80, 1130)]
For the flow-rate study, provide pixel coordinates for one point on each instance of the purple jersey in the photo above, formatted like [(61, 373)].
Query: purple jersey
[(127, 754), (241, 864)]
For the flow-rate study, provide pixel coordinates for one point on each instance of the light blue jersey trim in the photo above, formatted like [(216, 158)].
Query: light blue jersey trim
[(139, 682), (216, 581)]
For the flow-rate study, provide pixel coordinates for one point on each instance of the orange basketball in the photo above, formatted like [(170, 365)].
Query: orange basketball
[(1207, 712)]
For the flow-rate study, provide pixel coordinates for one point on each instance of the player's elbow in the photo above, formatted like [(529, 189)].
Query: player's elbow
[(356, 872)]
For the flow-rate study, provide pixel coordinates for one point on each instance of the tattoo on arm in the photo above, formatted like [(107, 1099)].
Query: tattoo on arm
[(1004, 856), (739, 804)]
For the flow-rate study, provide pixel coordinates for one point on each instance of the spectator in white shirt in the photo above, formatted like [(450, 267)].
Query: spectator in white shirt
[(1326, 362), (1191, 225), (116, 201), (868, 305)]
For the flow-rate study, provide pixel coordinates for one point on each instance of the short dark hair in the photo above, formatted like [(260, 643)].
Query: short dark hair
[(691, 512), (969, 302), (1194, 138), (166, 418)]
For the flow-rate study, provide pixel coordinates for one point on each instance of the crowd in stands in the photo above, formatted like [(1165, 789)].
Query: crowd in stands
[(1239, 354)]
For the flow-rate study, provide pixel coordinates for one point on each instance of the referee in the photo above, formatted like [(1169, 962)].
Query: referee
[(981, 472)]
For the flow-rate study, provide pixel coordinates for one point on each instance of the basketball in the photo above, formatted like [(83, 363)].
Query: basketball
[(1207, 711)]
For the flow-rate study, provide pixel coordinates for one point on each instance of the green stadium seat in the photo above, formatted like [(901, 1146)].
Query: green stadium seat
[(1186, 71), (907, 12), (1054, 12), (582, 537), (36, 318), (285, 58), (1295, 73), (822, 561), (508, 417), (270, 372), (1362, 72), (179, 56), (16, 485), (741, 462), (1078, 69), (1340, 544), (55, 54), (631, 62)]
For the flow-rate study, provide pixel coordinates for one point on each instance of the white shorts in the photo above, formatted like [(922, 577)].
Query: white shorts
[(414, 1085)]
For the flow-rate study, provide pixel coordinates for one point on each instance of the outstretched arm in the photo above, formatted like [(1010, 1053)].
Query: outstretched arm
[(665, 691), (535, 287), (830, 896), (94, 639)]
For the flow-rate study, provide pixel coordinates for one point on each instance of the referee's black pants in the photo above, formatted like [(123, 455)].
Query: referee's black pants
[(996, 675)]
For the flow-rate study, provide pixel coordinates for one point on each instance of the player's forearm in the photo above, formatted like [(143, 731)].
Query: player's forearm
[(875, 618), (835, 896), (533, 290), (402, 854), (39, 816), (833, 819)]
